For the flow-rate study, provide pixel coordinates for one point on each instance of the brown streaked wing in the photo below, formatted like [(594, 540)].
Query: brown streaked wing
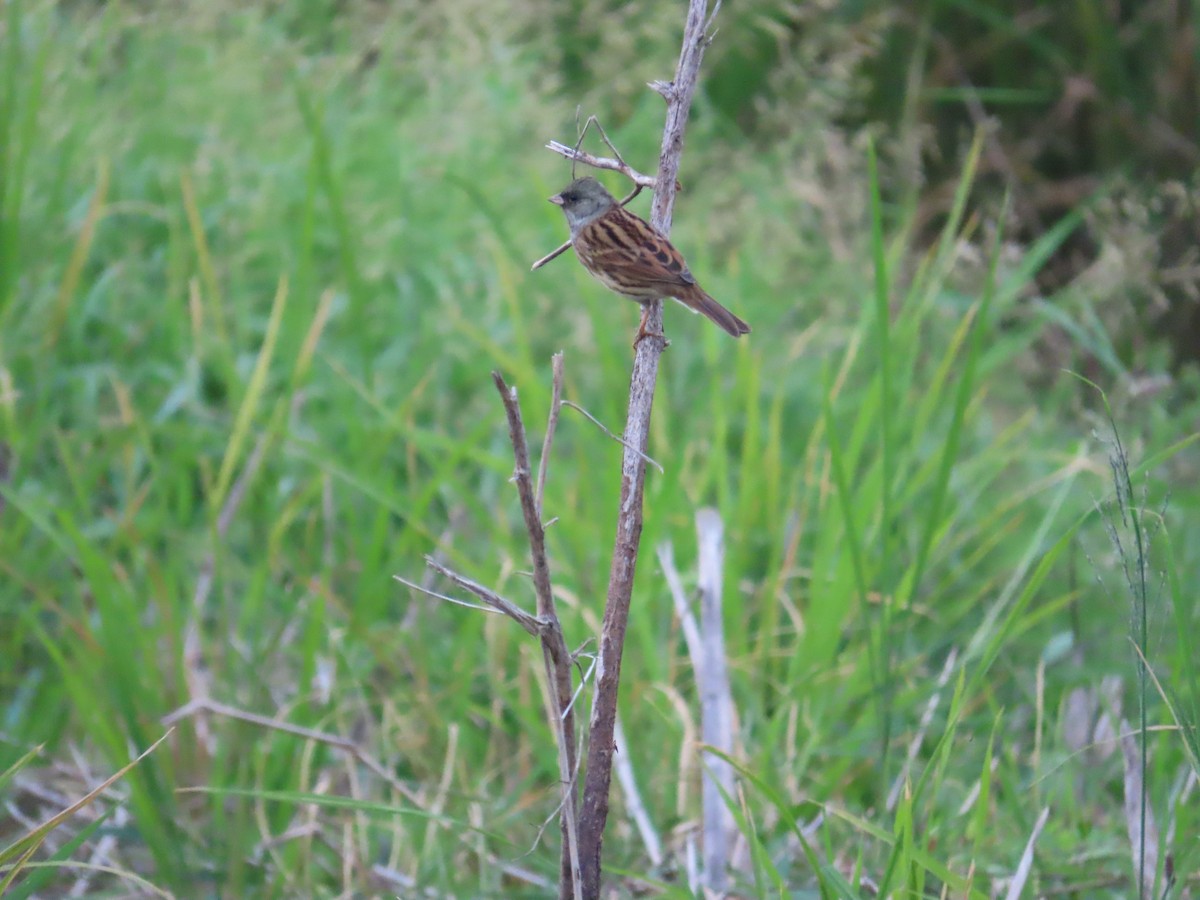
[(620, 240)]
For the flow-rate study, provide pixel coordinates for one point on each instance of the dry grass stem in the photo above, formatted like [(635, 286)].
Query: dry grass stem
[(716, 701), (914, 746), (1017, 886)]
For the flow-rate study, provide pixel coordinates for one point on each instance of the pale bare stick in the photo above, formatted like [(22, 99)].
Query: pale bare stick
[(213, 707), (1017, 886), (716, 701), (918, 740), (593, 814), (683, 605), (602, 162)]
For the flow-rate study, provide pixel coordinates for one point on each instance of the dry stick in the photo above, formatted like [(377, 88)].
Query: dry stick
[(594, 813), (716, 701), (195, 708), (706, 648), (633, 800), (555, 656), (603, 162)]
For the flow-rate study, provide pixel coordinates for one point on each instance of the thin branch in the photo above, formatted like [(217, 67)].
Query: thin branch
[(529, 505), (918, 740), (555, 656), (603, 162), (1017, 886), (594, 812), (195, 707), (447, 599), (616, 437), (683, 606), (533, 624)]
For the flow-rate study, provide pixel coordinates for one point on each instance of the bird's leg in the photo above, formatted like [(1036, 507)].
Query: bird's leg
[(643, 333)]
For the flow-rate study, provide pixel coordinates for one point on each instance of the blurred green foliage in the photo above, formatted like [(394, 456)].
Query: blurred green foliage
[(256, 264)]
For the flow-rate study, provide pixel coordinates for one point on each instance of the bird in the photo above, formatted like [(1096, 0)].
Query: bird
[(627, 255)]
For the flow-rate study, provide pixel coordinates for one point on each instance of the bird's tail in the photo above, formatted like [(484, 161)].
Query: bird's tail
[(698, 301)]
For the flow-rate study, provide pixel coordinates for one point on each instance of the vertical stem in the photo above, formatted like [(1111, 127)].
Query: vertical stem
[(594, 811)]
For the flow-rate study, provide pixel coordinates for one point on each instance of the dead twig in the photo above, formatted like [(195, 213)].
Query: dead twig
[(1017, 886), (616, 437), (716, 702), (555, 656), (603, 162), (594, 811), (492, 602), (633, 800)]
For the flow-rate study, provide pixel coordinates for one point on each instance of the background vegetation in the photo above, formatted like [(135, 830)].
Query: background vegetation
[(256, 264)]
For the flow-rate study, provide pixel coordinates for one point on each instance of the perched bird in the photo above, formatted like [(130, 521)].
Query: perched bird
[(625, 254)]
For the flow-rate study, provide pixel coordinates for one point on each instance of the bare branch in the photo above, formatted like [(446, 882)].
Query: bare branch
[(443, 597), (195, 707), (1017, 886), (603, 162), (533, 624), (553, 254), (594, 812), (1142, 826), (529, 504), (616, 437), (555, 656), (914, 746)]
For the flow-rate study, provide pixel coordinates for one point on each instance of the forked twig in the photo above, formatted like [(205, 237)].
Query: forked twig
[(544, 625), (603, 162)]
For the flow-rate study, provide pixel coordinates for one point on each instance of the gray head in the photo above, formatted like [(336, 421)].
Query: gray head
[(583, 201)]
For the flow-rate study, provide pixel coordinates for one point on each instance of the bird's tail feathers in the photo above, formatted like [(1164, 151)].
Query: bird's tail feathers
[(699, 301)]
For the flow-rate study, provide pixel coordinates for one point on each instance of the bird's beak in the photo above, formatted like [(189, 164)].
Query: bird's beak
[(557, 199)]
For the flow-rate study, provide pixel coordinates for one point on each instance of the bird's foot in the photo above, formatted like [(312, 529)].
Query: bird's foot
[(643, 333)]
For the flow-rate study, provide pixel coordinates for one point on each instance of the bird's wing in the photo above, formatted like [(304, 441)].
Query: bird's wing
[(620, 239)]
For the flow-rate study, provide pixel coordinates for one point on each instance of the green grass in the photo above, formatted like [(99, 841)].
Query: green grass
[(253, 281)]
